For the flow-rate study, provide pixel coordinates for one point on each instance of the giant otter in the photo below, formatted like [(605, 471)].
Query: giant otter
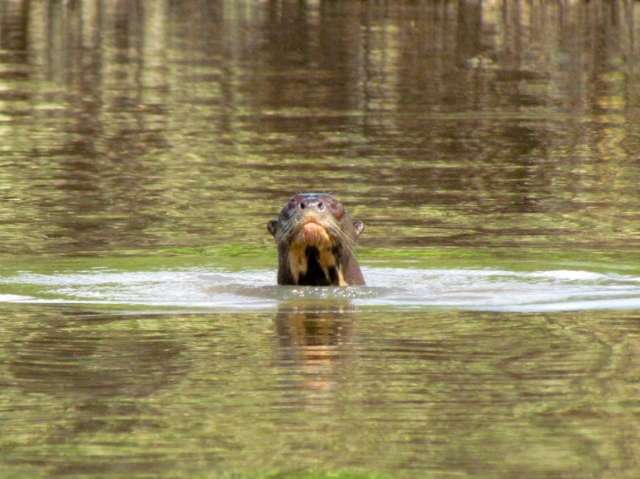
[(315, 238)]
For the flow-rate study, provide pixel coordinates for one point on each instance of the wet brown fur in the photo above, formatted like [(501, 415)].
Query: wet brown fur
[(315, 238)]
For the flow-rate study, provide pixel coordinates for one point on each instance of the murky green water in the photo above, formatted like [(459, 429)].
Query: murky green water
[(491, 148)]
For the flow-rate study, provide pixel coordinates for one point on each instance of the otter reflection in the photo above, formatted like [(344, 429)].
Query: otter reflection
[(316, 337)]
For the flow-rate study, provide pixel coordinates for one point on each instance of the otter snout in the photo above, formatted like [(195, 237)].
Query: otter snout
[(307, 203), (313, 234), (312, 205)]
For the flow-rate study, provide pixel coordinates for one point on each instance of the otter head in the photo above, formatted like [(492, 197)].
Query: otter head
[(316, 237)]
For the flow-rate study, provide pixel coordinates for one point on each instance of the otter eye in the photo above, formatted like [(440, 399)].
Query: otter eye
[(320, 205), (302, 205)]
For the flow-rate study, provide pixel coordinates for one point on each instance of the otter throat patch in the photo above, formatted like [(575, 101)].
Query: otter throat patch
[(313, 235)]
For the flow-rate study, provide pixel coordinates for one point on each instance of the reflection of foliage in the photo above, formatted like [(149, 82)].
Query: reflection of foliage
[(469, 124)]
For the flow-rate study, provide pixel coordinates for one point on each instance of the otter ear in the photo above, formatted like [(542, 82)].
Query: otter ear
[(359, 227), (272, 226)]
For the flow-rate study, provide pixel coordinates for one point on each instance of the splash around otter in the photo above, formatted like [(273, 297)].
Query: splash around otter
[(316, 237)]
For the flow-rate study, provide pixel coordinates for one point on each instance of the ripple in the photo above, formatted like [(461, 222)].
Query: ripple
[(467, 289)]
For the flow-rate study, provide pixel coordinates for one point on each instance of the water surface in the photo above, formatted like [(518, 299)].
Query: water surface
[(490, 149), (392, 288)]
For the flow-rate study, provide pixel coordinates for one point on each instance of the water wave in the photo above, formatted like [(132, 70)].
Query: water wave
[(469, 289)]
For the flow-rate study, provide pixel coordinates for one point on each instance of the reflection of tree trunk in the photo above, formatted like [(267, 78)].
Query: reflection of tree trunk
[(14, 21), (468, 31)]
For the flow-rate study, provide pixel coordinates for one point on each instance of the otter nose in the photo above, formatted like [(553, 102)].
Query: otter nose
[(317, 205)]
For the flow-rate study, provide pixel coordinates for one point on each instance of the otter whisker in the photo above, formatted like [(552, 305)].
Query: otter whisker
[(334, 228), (347, 242), (286, 229)]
